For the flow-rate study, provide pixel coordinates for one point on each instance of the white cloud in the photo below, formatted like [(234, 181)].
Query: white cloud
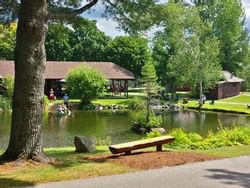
[(246, 5), (110, 27)]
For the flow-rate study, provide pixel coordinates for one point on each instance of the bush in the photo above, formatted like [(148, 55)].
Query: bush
[(153, 134), (45, 101), (140, 118), (5, 104), (137, 104), (225, 137), (85, 83), (9, 85)]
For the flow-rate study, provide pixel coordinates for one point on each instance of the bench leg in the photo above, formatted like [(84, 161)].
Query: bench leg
[(128, 153), (159, 148)]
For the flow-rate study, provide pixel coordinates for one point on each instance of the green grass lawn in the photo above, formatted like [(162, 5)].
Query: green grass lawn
[(69, 166), (238, 99), (111, 101), (228, 152), (236, 104)]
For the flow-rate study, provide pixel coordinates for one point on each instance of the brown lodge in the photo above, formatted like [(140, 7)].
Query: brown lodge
[(56, 72)]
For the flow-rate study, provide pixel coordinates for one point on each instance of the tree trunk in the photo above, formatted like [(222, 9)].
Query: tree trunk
[(25, 139), (200, 94)]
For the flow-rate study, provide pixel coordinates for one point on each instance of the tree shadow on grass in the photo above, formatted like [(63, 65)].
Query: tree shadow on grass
[(107, 157), (230, 177), (70, 158), (10, 182)]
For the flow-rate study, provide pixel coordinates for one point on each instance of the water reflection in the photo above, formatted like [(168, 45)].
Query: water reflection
[(60, 131)]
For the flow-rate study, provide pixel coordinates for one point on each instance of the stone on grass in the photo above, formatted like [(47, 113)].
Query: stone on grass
[(84, 144)]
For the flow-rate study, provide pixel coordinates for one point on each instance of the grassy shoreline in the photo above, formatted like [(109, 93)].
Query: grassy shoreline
[(236, 104)]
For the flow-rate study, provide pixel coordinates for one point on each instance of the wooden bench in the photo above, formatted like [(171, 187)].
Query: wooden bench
[(129, 146)]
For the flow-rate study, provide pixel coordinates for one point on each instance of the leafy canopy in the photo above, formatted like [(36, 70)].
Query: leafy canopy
[(80, 40), (7, 40), (130, 52)]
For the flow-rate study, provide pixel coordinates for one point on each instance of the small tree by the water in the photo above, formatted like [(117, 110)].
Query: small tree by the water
[(149, 80), (85, 83)]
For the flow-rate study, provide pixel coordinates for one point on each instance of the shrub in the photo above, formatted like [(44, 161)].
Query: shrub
[(153, 134), (85, 83), (181, 139), (9, 84), (137, 104), (5, 104), (140, 117), (224, 137), (45, 101)]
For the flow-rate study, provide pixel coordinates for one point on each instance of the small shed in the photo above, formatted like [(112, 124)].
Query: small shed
[(228, 87)]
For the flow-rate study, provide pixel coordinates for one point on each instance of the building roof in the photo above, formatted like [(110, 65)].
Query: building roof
[(60, 69), (229, 77)]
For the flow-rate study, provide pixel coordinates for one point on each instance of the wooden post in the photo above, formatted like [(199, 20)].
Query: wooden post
[(127, 152), (159, 147)]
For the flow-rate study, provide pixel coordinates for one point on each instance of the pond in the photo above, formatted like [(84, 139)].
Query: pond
[(60, 131)]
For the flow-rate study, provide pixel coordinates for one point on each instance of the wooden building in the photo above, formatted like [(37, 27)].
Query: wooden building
[(228, 87), (56, 72)]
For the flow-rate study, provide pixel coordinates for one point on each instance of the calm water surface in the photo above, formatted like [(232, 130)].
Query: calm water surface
[(60, 131)]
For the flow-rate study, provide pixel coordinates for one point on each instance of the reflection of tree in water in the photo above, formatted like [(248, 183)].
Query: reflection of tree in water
[(202, 122), (232, 120)]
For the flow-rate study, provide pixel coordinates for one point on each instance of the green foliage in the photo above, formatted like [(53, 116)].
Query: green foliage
[(5, 104), (231, 38), (153, 134), (154, 120), (244, 73), (169, 45), (9, 85), (130, 52), (57, 44), (136, 103), (88, 42), (79, 41), (7, 41), (45, 101), (85, 83), (224, 137), (149, 79)]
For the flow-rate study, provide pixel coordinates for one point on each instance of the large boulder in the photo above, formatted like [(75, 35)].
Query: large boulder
[(84, 144), (139, 128)]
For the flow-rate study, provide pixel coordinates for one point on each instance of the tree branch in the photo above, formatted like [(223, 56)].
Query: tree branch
[(64, 13)]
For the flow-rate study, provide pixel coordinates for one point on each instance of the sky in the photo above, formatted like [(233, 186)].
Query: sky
[(110, 27)]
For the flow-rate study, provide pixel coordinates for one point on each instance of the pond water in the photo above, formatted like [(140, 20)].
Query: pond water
[(60, 131)]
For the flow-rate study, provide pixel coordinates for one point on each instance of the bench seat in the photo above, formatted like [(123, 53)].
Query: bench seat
[(139, 144)]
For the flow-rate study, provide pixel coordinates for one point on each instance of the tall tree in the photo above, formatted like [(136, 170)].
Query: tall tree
[(169, 46), (228, 22), (130, 52), (87, 41), (25, 139), (57, 43), (30, 61), (149, 79), (203, 55), (79, 40)]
